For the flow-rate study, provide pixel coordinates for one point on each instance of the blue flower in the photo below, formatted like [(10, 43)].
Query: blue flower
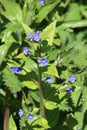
[(30, 117), (49, 80), (26, 50), (30, 36), (43, 62), (16, 32), (16, 70), (72, 78), (12, 69), (21, 112), (69, 90), (36, 36), (41, 2)]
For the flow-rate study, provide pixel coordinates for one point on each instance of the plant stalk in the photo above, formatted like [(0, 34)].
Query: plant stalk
[(42, 110), (7, 112)]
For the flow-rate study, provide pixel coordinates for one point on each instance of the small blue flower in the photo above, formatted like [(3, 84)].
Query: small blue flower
[(43, 62), (16, 32), (69, 90), (26, 50), (12, 69), (41, 2), (16, 70), (49, 80), (72, 78), (30, 36), (30, 117), (21, 112), (36, 36)]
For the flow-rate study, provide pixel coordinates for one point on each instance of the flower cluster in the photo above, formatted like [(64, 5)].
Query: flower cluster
[(43, 62), (30, 117), (34, 36), (42, 2), (16, 70)]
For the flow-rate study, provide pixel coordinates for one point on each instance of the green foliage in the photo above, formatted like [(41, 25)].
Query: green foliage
[(12, 124), (42, 91), (11, 80)]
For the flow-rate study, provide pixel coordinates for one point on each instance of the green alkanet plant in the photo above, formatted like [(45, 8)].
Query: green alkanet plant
[(43, 74)]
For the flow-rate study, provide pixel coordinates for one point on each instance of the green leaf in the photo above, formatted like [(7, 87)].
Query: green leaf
[(75, 96), (3, 51), (12, 125), (71, 121), (77, 55), (35, 96), (13, 10), (30, 84), (52, 117), (50, 105), (29, 80), (30, 64), (52, 70), (26, 28), (79, 116), (41, 122), (11, 28), (11, 80), (85, 99), (45, 10), (48, 33), (73, 13)]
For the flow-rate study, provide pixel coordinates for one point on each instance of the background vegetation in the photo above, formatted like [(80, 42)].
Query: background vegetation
[(43, 64)]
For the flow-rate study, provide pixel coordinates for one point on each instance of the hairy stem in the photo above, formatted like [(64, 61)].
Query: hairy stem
[(42, 110), (6, 113), (6, 118)]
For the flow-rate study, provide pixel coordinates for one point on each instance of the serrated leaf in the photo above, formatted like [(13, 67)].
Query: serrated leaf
[(13, 10), (52, 70), (11, 80), (50, 105), (12, 125), (48, 33)]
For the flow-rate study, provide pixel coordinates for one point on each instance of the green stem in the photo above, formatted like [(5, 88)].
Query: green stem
[(42, 110)]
